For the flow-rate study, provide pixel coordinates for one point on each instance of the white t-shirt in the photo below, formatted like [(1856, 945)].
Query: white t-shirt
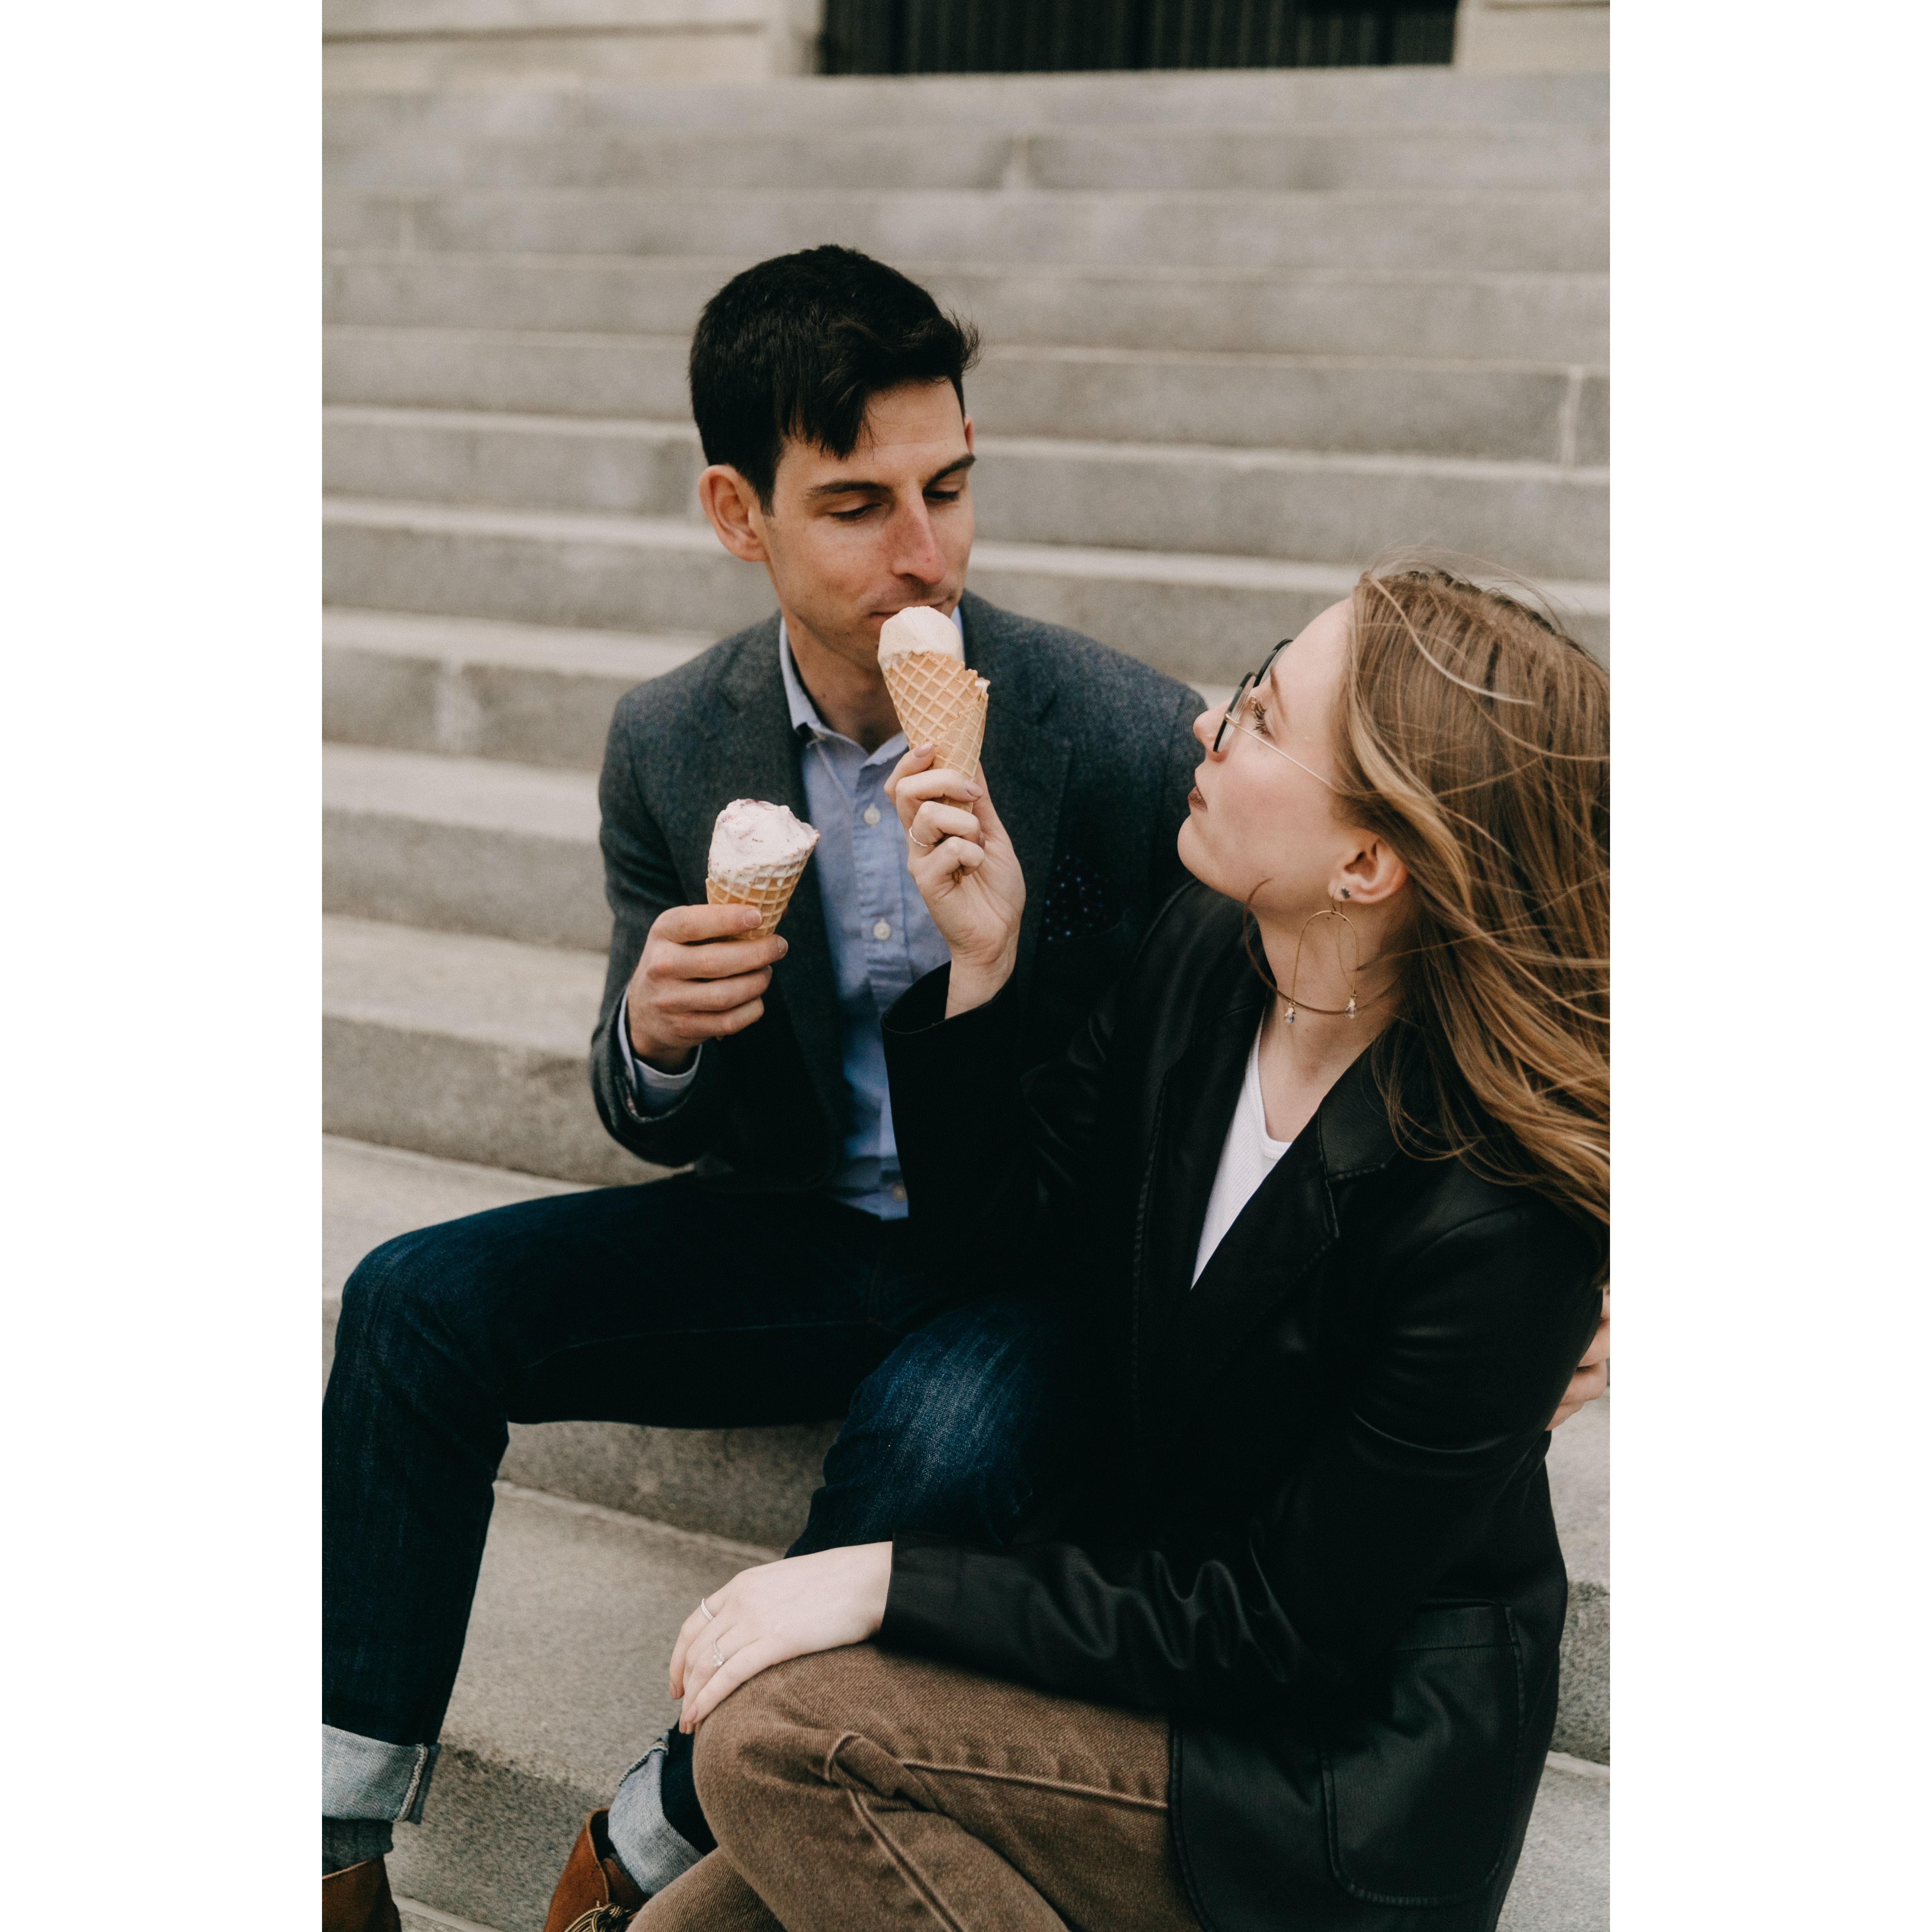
[(1247, 1159)]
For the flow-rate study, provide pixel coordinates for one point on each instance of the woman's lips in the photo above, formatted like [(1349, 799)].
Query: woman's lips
[(1195, 803)]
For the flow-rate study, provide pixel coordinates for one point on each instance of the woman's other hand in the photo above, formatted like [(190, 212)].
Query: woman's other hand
[(966, 870), (1593, 1372), (779, 1610)]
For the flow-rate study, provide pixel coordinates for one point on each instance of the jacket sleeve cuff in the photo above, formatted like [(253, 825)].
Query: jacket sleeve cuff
[(922, 1601), (963, 1604), (916, 1029), (651, 1093), (952, 1080)]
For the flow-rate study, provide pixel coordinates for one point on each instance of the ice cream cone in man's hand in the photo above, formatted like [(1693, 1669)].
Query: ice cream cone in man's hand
[(939, 701), (704, 970), (758, 855)]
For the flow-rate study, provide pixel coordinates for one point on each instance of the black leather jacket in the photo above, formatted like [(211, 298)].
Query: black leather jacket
[(1316, 1527)]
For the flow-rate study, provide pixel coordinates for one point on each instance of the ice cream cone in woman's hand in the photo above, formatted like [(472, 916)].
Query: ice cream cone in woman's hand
[(939, 701), (758, 855)]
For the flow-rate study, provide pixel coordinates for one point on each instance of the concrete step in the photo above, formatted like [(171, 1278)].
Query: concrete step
[(562, 1686), (418, 1917), (1200, 618), (632, 466), (1395, 98), (1117, 159), (1562, 1882), (1351, 228), (1452, 313), (1542, 518), (463, 845), (1511, 411), (469, 687), (1579, 1489), (471, 1047), (403, 44), (752, 1484)]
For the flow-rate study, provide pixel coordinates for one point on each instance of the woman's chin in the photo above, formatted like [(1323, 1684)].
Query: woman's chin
[(1191, 848)]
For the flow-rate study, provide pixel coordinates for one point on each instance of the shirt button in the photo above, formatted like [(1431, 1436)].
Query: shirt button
[(898, 1190), (883, 930), (870, 814)]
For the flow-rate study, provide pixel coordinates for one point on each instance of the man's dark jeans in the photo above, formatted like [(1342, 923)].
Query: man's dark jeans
[(670, 1303)]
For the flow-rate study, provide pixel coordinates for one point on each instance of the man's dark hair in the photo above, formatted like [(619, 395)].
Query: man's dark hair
[(798, 346)]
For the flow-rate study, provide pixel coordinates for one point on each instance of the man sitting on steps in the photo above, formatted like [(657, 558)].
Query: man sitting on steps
[(778, 1281)]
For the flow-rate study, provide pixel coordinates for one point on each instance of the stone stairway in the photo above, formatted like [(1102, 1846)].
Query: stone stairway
[(1244, 331)]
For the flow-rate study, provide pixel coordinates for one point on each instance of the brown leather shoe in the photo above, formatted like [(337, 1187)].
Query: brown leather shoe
[(595, 1894), (357, 1899)]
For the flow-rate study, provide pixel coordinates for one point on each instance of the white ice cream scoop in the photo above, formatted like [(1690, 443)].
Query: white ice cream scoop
[(918, 628), (752, 836)]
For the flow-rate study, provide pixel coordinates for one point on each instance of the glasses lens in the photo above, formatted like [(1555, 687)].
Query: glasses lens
[(1234, 710), (1232, 714)]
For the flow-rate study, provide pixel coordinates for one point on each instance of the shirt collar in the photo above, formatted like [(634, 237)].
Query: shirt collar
[(804, 717)]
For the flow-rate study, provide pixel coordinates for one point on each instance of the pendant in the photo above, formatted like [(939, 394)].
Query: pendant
[(1351, 1006), (1291, 1016)]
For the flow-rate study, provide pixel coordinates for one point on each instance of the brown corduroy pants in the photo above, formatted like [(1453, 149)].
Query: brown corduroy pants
[(858, 1788)]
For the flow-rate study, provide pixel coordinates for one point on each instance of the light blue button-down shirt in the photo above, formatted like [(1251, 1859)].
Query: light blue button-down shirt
[(882, 938)]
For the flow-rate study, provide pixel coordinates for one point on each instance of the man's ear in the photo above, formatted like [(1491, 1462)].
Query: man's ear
[(967, 421), (1372, 877), (732, 504)]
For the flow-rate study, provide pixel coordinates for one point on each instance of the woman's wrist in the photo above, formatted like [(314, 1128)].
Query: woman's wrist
[(974, 982)]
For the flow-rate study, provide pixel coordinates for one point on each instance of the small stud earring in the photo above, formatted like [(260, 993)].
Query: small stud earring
[(1344, 891)]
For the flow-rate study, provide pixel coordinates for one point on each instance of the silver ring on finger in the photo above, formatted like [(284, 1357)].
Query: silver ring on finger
[(710, 1615), (920, 843), (716, 1658)]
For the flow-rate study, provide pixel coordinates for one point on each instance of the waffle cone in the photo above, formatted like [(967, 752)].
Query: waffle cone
[(939, 700), (769, 888)]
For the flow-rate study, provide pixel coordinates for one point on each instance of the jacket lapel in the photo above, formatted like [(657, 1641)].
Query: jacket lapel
[(1288, 1224), (754, 754), (1203, 1090), (1199, 1088)]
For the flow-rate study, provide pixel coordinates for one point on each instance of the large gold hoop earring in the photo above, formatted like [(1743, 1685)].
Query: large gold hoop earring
[(1331, 910)]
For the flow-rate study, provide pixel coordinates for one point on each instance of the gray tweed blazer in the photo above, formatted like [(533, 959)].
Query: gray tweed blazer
[(1089, 756)]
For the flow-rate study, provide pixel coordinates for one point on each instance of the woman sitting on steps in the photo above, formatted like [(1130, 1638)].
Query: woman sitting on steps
[(1326, 1177)]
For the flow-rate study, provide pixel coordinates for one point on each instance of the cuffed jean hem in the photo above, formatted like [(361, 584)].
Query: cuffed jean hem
[(648, 1845), (363, 1777)]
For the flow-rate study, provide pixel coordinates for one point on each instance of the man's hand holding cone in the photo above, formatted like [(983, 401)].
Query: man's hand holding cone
[(703, 976)]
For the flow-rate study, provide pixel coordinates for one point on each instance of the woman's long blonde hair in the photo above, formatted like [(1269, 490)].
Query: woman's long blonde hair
[(1474, 735)]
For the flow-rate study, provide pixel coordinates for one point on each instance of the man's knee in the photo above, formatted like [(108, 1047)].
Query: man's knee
[(971, 1394), (423, 1284), (980, 1361)]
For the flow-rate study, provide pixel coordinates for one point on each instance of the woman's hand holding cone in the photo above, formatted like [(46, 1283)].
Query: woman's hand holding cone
[(967, 871)]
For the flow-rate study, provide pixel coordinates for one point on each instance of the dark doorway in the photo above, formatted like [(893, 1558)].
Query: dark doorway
[(1075, 36)]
